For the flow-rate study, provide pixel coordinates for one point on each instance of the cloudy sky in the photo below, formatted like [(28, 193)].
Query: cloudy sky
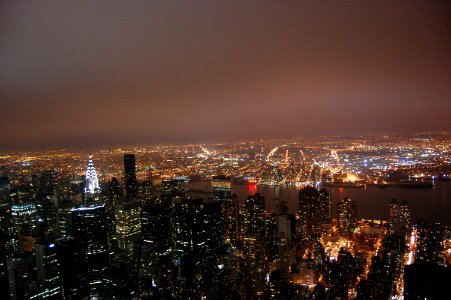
[(79, 73)]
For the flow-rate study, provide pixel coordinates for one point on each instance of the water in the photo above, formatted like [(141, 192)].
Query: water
[(432, 204)]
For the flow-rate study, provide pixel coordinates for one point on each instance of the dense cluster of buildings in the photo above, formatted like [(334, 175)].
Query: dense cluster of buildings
[(65, 237)]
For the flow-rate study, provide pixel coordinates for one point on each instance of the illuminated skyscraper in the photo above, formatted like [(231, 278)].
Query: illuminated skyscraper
[(310, 213), (92, 189), (254, 216), (131, 183), (24, 217), (254, 265), (128, 226), (399, 215), (347, 216), (230, 208), (325, 207)]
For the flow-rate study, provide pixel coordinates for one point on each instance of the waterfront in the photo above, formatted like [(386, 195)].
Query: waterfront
[(431, 204)]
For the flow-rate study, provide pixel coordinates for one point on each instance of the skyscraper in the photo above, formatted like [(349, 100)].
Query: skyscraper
[(48, 270), (128, 226), (92, 189), (254, 216), (347, 216), (399, 215), (89, 226), (197, 235), (310, 213), (71, 256), (131, 183)]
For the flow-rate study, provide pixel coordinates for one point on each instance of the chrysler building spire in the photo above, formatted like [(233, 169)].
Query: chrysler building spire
[(92, 182)]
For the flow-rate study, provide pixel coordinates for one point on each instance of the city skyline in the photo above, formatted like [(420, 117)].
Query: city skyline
[(94, 74)]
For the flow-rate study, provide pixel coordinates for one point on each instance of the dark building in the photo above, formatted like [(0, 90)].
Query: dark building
[(89, 226), (71, 256), (197, 235), (131, 183), (426, 281)]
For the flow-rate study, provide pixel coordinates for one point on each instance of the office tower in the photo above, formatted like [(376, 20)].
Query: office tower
[(197, 236), (8, 247), (64, 217), (131, 183), (48, 271), (254, 216), (170, 188), (91, 188), (255, 268), (347, 216), (128, 226), (399, 215), (19, 280), (230, 208), (155, 261), (156, 229), (429, 243), (89, 226), (114, 193), (24, 217), (230, 217), (325, 207), (71, 256), (310, 213)]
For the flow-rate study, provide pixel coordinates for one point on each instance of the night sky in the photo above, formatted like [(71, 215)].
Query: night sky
[(92, 73)]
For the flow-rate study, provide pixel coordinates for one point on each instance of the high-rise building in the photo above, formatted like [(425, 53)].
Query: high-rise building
[(170, 188), (255, 267), (8, 247), (156, 255), (399, 215), (310, 212), (71, 256), (48, 271), (89, 226), (24, 217), (347, 216), (131, 183), (128, 226), (230, 208), (254, 216), (325, 207), (156, 228), (197, 236), (91, 189)]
